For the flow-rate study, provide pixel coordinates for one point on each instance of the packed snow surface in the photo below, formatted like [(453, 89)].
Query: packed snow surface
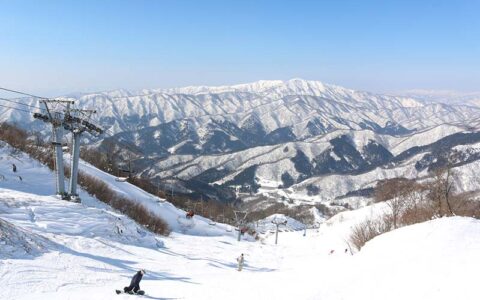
[(433, 260)]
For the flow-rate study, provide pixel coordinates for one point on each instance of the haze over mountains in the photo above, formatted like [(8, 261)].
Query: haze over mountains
[(445, 96), (294, 138)]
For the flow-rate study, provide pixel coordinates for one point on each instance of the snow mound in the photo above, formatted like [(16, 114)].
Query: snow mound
[(47, 217), (432, 260), (17, 242)]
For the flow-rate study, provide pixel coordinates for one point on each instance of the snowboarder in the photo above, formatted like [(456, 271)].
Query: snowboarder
[(134, 287), (240, 261), (14, 168)]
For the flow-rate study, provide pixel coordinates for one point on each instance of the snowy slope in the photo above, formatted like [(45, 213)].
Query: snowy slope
[(54, 249), (273, 158), (433, 260), (174, 217), (39, 180), (195, 267)]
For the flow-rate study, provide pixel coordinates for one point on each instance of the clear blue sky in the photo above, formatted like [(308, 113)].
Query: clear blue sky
[(54, 47)]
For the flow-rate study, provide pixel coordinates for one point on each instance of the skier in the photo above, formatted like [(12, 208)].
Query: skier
[(14, 168), (134, 287), (240, 261)]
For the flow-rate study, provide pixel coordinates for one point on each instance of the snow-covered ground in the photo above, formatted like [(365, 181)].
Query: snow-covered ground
[(54, 249), (33, 177)]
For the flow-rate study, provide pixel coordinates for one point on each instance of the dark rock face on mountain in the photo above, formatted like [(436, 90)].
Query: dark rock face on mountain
[(246, 180), (390, 128), (441, 153), (302, 165), (344, 158), (375, 154)]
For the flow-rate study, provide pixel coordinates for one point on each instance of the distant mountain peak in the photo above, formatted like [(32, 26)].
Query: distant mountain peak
[(294, 86)]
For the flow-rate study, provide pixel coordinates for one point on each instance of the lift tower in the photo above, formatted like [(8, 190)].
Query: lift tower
[(78, 126), (58, 123)]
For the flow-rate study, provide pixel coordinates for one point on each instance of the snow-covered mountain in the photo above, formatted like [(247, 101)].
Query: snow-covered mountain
[(268, 134), (306, 107)]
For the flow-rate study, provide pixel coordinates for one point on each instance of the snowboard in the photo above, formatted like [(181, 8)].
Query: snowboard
[(130, 293)]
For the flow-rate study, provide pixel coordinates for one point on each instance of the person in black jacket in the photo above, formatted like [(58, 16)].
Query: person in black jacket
[(135, 283)]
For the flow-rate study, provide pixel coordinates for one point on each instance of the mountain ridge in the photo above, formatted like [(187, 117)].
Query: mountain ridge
[(194, 134)]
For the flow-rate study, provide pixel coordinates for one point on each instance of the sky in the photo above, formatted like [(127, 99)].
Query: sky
[(58, 47)]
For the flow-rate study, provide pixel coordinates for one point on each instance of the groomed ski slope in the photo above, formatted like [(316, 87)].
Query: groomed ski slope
[(86, 251)]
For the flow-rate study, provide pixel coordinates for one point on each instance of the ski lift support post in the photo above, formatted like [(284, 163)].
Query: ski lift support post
[(58, 124), (240, 217), (78, 126), (277, 223)]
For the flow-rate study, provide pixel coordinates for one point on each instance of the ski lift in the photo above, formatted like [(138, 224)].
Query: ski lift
[(121, 179)]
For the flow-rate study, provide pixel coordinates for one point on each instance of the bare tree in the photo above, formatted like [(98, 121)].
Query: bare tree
[(393, 192), (441, 189)]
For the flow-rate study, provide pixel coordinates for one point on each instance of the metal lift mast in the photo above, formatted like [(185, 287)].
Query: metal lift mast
[(78, 126), (75, 125), (58, 125)]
